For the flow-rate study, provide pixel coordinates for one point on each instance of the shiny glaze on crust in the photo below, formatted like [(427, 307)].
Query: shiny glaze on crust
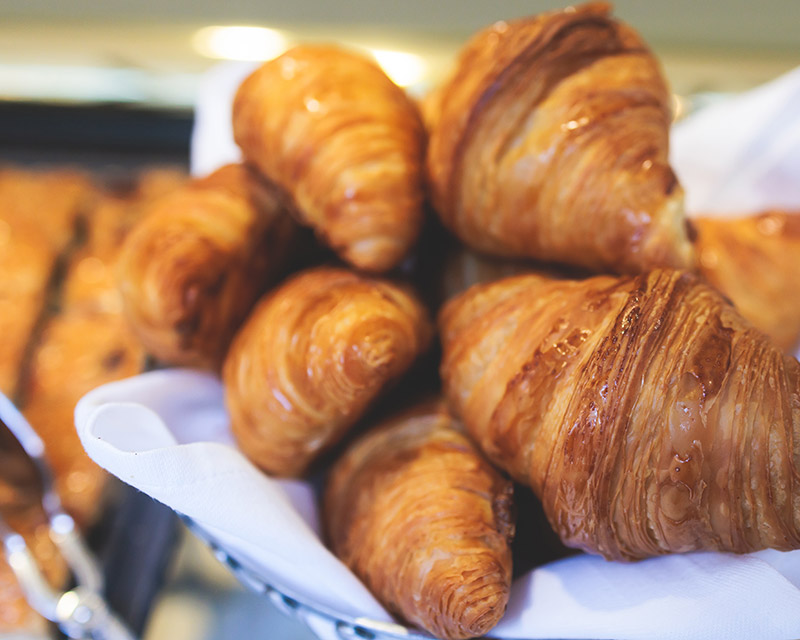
[(345, 142), (310, 359), (550, 141), (425, 521), (647, 415)]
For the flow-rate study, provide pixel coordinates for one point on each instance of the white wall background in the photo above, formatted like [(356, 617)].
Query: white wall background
[(773, 24)]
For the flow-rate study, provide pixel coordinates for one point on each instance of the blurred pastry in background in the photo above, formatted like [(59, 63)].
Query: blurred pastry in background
[(194, 266), (426, 522), (550, 141), (61, 316), (331, 129), (39, 213), (311, 358), (755, 262), (84, 343)]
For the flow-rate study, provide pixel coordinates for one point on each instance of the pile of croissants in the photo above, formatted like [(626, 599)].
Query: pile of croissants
[(648, 412)]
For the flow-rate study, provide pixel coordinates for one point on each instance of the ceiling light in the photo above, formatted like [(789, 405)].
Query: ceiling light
[(239, 43)]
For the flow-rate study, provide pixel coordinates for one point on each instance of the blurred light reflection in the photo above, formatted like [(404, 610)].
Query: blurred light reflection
[(405, 69), (239, 43)]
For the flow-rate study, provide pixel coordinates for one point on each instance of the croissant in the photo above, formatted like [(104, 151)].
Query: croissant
[(310, 359), (30, 252), (645, 413), (331, 129), (418, 514), (191, 270), (755, 261), (550, 141)]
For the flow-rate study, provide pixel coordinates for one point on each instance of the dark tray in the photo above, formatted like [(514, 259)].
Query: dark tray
[(134, 539)]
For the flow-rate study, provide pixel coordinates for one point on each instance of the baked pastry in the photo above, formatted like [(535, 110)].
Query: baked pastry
[(331, 129), (755, 261), (29, 253), (549, 141), (65, 334), (312, 356), (85, 344), (645, 413), (17, 618), (77, 352), (191, 270), (418, 514), (62, 196), (26, 262)]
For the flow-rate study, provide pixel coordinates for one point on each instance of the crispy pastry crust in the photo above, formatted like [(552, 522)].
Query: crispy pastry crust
[(311, 358), (550, 141), (755, 261), (194, 266), (331, 129), (647, 415), (418, 514)]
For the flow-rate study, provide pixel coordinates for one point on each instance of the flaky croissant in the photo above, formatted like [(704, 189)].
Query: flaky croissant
[(647, 415), (755, 261), (550, 141), (311, 357), (331, 129), (190, 271), (418, 514)]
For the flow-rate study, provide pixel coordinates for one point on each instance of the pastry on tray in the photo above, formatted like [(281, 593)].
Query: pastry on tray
[(29, 253), (64, 335)]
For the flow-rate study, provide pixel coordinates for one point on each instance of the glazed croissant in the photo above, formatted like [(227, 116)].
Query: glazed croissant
[(646, 414), (331, 129), (755, 261), (311, 358), (550, 141), (418, 514), (191, 270)]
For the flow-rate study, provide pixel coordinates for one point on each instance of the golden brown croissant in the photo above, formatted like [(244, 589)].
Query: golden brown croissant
[(331, 129), (755, 261), (418, 514), (309, 360), (550, 142), (647, 415), (193, 267)]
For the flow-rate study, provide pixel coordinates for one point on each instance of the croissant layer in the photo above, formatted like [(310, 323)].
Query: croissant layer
[(550, 141), (194, 266), (647, 415), (310, 359), (345, 142), (424, 520), (755, 261)]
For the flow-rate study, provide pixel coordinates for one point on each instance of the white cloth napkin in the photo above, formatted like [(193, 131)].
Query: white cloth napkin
[(742, 155), (166, 434), (212, 135)]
